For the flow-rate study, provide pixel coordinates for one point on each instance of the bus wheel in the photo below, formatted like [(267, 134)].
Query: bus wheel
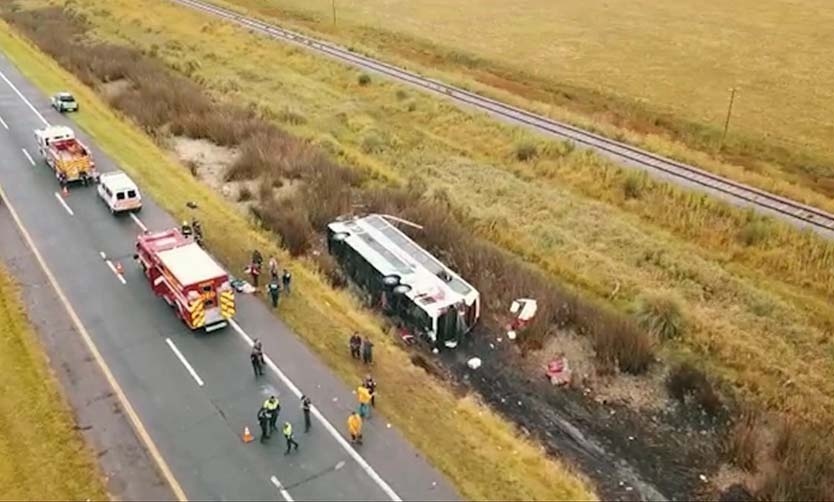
[(391, 280), (401, 289)]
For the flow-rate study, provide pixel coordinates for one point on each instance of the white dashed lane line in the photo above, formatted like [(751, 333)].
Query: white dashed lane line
[(28, 157), (284, 493), (64, 203), (138, 222), (116, 269), (184, 362), (3, 123)]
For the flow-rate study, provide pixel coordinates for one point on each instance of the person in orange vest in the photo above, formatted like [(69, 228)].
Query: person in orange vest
[(364, 397), (354, 424)]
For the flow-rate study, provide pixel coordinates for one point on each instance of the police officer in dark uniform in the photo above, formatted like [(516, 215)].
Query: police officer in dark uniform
[(274, 290), (305, 407), (263, 421)]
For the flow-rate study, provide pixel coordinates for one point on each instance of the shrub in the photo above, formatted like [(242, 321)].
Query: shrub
[(634, 184), (525, 151), (661, 314), (741, 443), (364, 79), (372, 142), (245, 194), (619, 343), (292, 117), (805, 465), (754, 232), (686, 381), (290, 221), (401, 94)]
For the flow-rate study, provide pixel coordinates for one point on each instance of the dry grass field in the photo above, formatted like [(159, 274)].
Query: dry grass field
[(653, 73), (41, 456), (754, 294)]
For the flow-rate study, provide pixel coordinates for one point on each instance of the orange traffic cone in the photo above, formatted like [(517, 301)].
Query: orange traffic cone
[(247, 436), (119, 268), (64, 191)]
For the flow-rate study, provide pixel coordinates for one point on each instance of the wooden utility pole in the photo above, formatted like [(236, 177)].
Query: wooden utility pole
[(729, 113)]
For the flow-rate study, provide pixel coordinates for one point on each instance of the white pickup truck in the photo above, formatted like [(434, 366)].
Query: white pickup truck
[(64, 102)]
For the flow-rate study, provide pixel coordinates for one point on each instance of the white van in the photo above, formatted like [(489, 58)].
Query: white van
[(119, 192)]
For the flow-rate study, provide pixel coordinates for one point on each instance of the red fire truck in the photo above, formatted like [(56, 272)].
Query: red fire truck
[(187, 278)]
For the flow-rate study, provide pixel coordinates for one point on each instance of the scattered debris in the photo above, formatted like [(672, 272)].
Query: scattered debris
[(558, 371), (511, 334), (474, 363), (703, 478)]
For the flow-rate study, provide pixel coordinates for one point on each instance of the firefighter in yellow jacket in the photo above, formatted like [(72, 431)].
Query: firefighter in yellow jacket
[(364, 397), (354, 424)]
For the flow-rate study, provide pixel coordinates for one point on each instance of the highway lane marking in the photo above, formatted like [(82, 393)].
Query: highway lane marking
[(138, 222), (284, 493), (184, 362), (112, 267), (21, 96), (321, 418), (28, 157), (64, 203), (4, 123), (138, 426)]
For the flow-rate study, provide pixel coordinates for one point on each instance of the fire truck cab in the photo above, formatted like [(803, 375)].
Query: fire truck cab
[(187, 278)]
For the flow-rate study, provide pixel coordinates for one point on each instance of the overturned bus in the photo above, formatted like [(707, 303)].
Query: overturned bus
[(404, 279)]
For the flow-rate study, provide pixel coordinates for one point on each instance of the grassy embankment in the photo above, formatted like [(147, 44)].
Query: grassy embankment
[(655, 74), (42, 456), (477, 439), (753, 291)]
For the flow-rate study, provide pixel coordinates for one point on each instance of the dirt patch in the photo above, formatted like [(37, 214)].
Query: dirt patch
[(115, 88)]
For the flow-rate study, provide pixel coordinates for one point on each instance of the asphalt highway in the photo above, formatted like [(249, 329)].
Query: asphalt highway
[(188, 394)]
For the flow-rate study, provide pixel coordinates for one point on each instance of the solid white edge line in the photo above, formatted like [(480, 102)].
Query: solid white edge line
[(135, 421), (327, 425), (4, 123), (21, 96), (116, 272), (284, 493), (138, 222), (64, 203), (28, 157), (184, 362)]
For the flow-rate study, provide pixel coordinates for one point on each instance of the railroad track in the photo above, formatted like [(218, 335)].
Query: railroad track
[(792, 211)]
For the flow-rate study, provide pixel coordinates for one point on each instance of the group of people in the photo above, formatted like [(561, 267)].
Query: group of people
[(268, 421), (278, 280), (366, 395), (193, 229), (361, 348), (268, 413)]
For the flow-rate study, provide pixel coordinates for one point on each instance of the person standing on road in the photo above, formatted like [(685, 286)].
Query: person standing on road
[(274, 408), (257, 362), (289, 437), (370, 384), (355, 345), (286, 278), (263, 421), (273, 268), (305, 408), (367, 351), (364, 397), (354, 424), (274, 291)]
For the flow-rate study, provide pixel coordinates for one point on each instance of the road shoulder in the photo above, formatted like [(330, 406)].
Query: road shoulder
[(130, 473)]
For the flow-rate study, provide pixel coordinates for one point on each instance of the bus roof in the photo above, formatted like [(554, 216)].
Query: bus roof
[(391, 252), (190, 264)]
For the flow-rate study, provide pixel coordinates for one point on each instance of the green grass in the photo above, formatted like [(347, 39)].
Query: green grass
[(749, 302), (654, 73), (42, 456), (475, 439)]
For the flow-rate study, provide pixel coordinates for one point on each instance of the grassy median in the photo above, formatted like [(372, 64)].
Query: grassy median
[(42, 456), (475, 440)]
